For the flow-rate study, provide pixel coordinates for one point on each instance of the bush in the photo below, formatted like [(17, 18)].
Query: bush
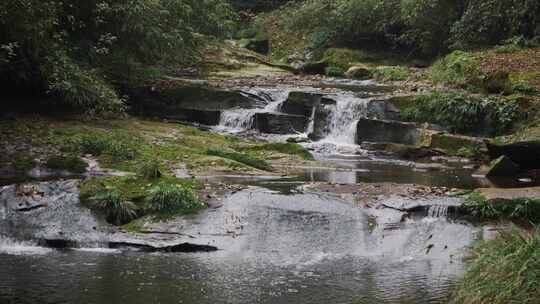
[(334, 71), (524, 209), (241, 158), (117, 210), (459, 69), (503, 270), (69, 163), (462, 113), (391, 73), (525, 88), (167, 198), (150, 169)]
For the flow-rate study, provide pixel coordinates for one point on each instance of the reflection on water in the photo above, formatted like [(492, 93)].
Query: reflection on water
[(304, 248)]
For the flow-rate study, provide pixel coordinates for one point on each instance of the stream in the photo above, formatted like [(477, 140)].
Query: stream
[(277, 244)]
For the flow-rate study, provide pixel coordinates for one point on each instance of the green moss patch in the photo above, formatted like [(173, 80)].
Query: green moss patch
[(241, 158)]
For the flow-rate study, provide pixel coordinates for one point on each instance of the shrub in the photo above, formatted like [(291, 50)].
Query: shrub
[(24, 163), (525, 88), (150, 169), (462, 113), (459, 69), (334, 71), (95, 145), (69, 163), (391, 73), (167, 198), (241, 158), (503, 270), (117, 210), (516, 209)]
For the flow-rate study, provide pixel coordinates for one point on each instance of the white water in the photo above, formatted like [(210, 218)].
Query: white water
[(344, 118), (13, 247), (238, 120), (437, 211)]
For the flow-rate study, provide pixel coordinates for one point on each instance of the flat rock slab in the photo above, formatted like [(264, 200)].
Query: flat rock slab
[(509, 194)]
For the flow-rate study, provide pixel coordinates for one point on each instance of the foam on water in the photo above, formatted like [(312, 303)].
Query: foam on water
[(13, 247)]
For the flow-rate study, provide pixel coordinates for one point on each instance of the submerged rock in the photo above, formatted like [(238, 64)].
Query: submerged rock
[(301, 103)]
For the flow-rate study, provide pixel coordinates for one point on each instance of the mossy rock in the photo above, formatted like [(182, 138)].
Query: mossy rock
[(361, 72), (457, 144)]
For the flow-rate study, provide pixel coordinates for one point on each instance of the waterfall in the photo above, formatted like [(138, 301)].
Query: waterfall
[(437, 211), (343, 120), (238, 120)]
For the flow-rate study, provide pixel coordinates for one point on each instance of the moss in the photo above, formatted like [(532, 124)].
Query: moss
[(334, 71), (241, 158), (73, 164), (24, 163), (285, 148), (456, 145)]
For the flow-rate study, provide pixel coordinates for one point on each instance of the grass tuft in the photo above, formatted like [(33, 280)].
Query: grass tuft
[(503, 270), (117, 209), (69, 163), (169, 198)]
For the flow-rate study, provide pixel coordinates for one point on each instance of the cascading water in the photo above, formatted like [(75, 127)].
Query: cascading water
[(343, 120), (438, 211), (238, 120)]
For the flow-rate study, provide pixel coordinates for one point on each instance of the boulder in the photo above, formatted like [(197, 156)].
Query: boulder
[(453, 144), (502, 166), (358, 72), (374, 130), (524, 154), (276, 123), (317, 67), (382, 109), (209, 118), (301, 103)]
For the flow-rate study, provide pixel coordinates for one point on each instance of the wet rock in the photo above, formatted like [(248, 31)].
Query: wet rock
[(360, 72), (456, 144), (502, 166), (274, 123), (373, 130), (301, 103), (322, 121), (382, 109), (403, 151), (317, 67), (189, 102), (298, 140), (524, 154)]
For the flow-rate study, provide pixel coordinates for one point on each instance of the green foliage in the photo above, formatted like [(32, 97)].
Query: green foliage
[(524, 209), (491, 21), (391, 73), (525, 88), (69, 163), (334, 71), (116, 146), (462, 113), (241, 158), (150, 169), (457, 69), (81, 53), (412, 27), (169, 198), (24, 163), (503, 270), (117, 210)]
